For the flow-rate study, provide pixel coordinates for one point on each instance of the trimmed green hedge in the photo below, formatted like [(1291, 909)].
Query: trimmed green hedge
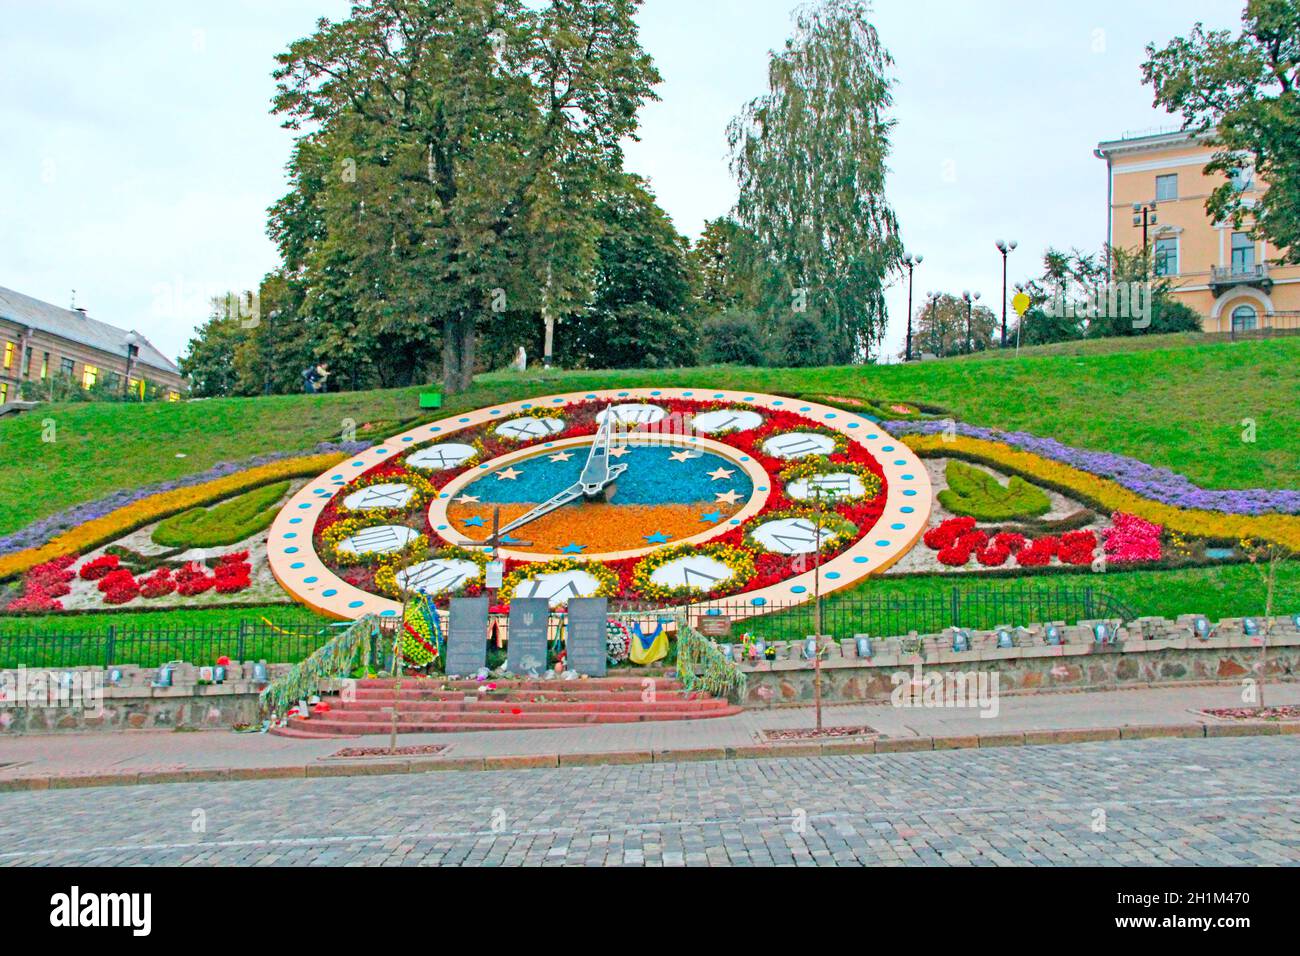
[(225, 523), (977, 494)]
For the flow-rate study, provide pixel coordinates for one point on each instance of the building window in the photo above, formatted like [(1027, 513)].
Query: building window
[(27, 362), (4, 392), (1167, 187), (45, 365), (89, 376), (136, 385), (66, 367), (1242, 178), (10, 348), (173, 396), (1166, 257), (1244, 319), (1243, 254)]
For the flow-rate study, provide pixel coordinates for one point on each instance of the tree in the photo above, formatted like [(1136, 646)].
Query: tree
[(809, 156), (638, 316), (728, 268), (802, 338), (431, 130), (733, 338), (942, 328), (1243, 92), (1133, 270), (209, 359)]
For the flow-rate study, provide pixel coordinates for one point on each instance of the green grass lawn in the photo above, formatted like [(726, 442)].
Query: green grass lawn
[(1179, 406)]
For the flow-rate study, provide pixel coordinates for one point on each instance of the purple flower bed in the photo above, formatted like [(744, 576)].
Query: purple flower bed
[(1158, 484), (38, 533)]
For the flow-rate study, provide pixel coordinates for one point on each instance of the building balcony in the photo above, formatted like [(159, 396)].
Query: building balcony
[(1226, 278)]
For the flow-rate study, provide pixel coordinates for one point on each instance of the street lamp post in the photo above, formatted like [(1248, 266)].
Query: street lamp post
[(132, 350), (1006, 248), (910, 262), (1144, 215), (970, 300)]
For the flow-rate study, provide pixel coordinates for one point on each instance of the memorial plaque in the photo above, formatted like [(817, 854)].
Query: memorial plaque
[(714, 625), (467, 636), (586, 639), (526, 648)]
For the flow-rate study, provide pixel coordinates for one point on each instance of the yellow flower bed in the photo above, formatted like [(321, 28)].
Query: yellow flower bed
[(136, 515), (1108, 496)]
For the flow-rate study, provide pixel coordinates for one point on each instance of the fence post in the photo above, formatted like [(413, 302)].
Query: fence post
[(956, 607), (242, 630), (110, 640), (1087, 603)]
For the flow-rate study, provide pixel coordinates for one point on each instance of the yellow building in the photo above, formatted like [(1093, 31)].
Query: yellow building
[(1219, 271)]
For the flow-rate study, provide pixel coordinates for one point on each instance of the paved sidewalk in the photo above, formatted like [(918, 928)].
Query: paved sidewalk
[(34, 762)]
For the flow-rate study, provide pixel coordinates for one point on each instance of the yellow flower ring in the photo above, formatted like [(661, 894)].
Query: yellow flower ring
[(304, 575)]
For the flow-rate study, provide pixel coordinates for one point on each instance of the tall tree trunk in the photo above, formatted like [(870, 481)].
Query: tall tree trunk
[(458, 352)]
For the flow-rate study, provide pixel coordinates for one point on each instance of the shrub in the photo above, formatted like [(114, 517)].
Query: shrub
[(974, 492), (224, 523), (733, 338)]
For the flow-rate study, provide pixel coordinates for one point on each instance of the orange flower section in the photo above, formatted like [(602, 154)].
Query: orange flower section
[(599, 526)]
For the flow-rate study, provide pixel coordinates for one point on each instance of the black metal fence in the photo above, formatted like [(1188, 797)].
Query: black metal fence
[(929, 613), (877, 615), (70, 646)]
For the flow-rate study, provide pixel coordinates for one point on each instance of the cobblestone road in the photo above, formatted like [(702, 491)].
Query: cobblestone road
[(1222, 801)]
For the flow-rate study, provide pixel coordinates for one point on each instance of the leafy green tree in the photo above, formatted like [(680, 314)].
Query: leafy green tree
[(639, 314), (1134, 269), (729, 268), (209, 359), (430, 132), (1244, 91), (803, 343), (733, 338), (941, 327), (810, 158)]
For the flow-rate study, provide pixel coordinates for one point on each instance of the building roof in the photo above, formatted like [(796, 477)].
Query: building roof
[(78, 327), (1144, 142)]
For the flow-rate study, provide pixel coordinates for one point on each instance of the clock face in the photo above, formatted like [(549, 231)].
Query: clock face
[(664, 495)]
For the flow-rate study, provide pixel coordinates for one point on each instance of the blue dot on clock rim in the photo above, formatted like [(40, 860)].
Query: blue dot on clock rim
[(833, 575), (388, 613), (295, 521), (297, 566), (898, 527), (329, 593), (860, 560), (798, 589), (291, 534), (907, 509), (882, 544), (355, 604), (758, 601)]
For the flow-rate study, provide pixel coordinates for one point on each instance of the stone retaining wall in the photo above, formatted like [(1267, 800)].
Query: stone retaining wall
[(1148, 651), (81, 699)]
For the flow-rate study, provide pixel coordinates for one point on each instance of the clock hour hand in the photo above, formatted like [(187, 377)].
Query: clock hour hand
[(572, 493)]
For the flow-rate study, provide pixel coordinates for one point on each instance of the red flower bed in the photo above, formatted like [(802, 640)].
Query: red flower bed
[(957, 539), (100, 567)]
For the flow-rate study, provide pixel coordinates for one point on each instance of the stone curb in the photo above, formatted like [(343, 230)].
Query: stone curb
[(786, 749)]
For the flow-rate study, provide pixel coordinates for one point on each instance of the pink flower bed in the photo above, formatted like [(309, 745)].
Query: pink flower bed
[(1131, 539)]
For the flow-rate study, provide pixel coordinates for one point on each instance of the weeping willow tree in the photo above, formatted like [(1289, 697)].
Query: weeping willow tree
[(809, 156)]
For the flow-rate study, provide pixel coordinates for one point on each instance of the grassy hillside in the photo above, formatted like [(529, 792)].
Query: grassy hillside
[(1179, 407)]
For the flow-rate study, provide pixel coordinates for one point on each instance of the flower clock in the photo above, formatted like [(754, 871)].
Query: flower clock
[(731, 500)]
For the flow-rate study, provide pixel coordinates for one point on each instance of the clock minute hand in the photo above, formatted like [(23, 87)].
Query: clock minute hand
[(572, 493), (596, 472)]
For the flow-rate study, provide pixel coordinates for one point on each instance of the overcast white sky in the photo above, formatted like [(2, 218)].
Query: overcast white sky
[(139, 156)]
